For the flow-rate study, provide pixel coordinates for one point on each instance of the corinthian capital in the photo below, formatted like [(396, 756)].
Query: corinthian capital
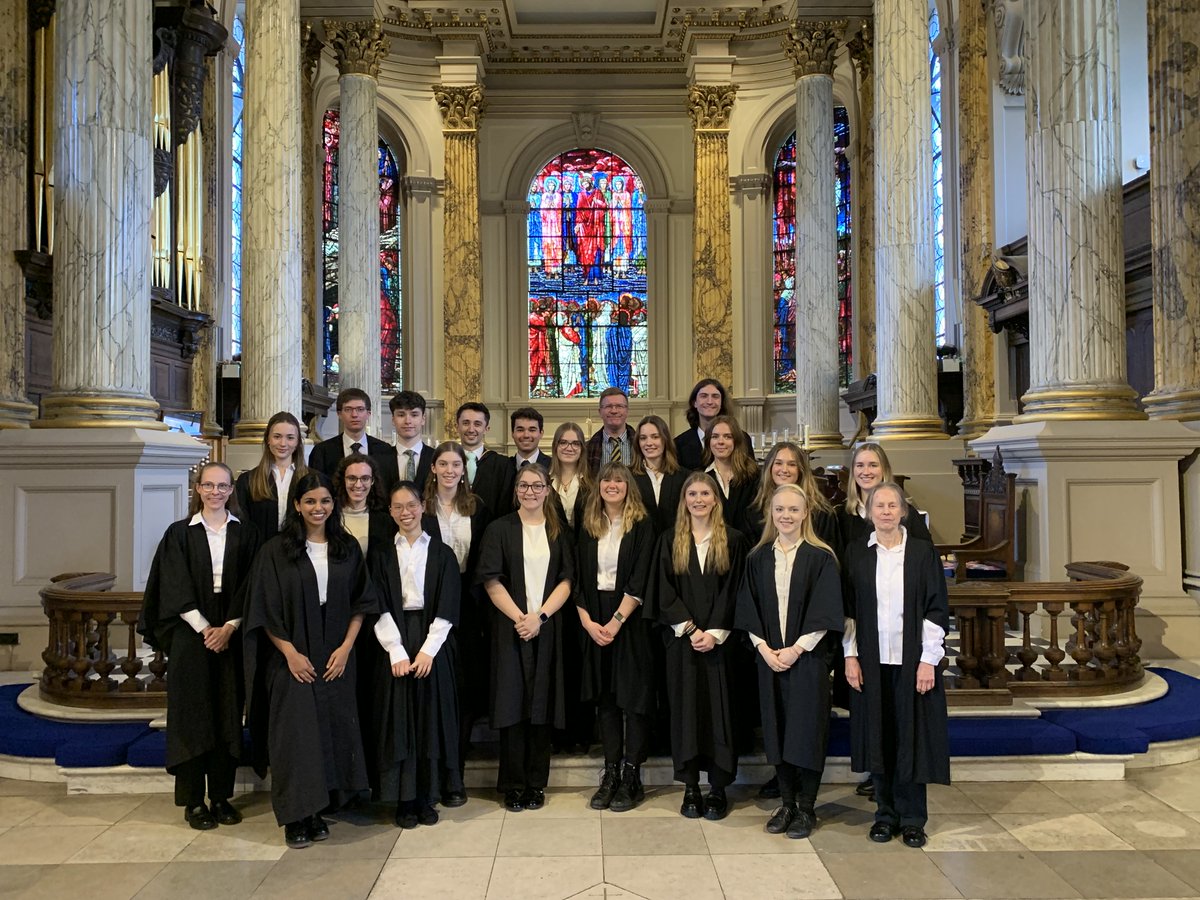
[(812, 45), (359, 46), (710, 105), (461, 105)]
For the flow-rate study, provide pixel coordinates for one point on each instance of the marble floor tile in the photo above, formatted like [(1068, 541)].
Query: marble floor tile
[(661, 802), (1014, 797), (801, 876), (1177, 786), (1001, 875), (667, 879), (20, 809), (230, 880), (368, 840), (1159, 830), (745, 835), (1074, 831), (676, 836), (255, 807), (14, 879), (298, 878), (1107, 796), (845, 831), (528, 835), (946, 798), (96, 881), (434, 879), (136, 843), (969, 831), (155, 809), (84, 810), (1183, 864), (245, 842), (13, 787), (450, 839), (882, 875), (49, 845), (1100, 874), (563, 803), (546, 878)]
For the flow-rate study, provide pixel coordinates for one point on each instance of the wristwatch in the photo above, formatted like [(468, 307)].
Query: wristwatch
[(543, 617), (620, 618)]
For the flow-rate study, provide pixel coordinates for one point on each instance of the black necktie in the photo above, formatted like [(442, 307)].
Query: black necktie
[(356, 447), (523, 464)]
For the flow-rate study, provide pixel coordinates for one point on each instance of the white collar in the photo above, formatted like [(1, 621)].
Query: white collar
[(198, 519), (528, 459), (778, 545), (416, 447), (872, 541), (348, 441), (422, 541)]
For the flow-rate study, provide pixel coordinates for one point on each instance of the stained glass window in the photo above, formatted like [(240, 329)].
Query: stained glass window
[(784, 252), (391, 345), (939, 230), (239, 86), (586, 234)]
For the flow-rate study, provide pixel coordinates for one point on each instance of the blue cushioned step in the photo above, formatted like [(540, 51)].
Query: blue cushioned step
[(67, 743)]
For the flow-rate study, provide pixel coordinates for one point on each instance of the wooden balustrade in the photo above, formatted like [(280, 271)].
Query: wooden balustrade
[(87, 619)]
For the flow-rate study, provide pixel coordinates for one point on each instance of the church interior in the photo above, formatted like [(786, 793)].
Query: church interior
[(968, 230)]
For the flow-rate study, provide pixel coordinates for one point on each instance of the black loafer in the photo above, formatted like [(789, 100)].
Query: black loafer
[(200, 818), (296, 835), (866, 788), (225, 813), (716, 805), (512, 801), (693, 803), (770, 790), (533, 798), (427, 815), (406, 817), (317, 829), (802, 825), (454, 799), (782, 819), (913, 836), (882, 832)]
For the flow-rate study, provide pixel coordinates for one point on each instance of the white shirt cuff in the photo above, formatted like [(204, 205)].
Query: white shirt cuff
[(236, 623), (808, 642), (389, 639), (850, 638), (680, 628), (720, 635), (755, 640), (439, 630), (196, 619), (932, 648)]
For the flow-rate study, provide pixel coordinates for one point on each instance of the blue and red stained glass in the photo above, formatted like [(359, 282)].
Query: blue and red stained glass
[(586, 255)]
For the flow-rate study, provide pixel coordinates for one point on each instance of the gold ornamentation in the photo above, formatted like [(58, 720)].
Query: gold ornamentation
[(862, 50), (360, 46), (1087, 402), (310, 52), (461, 105), (812, 46), (710, 105)]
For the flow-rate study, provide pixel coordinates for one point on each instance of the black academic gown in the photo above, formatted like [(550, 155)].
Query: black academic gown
[(527, 676), (630, 656), (308, 733), (417, 718), (391, 475), (493, 484), (205, 690), (855, 529), (794, 704), (262, 514), (664, 509), (689, 450), (326, 455), (698, 683), (922, 746), (825, 524), (735, 504)]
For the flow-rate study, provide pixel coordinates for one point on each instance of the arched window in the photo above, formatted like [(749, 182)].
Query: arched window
[(239, 95), (586, 237), (391, 356), (784, 253), (939, 228)]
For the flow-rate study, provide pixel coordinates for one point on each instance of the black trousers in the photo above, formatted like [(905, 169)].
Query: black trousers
[(689, 774), (900, 803), (216, 766), (524, 757), (798, 785), (623, 734)]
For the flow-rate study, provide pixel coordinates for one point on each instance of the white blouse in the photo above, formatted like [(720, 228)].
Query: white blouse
[(216, 551), (456, 533), (608, 550), (536, 550), (283, 487), (567, 493), (785, 560), (412, 560), (319, 555)]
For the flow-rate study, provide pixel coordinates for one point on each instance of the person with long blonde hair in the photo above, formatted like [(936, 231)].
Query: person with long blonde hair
[(790, 604), (698, 570), (262, 492), (869, 466), (614, 553), (787, 463)]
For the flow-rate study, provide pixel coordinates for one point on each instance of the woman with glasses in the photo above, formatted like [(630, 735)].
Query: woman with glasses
[(262, 492), (527, 567), (362, 500), (570, 475), (191, 611)]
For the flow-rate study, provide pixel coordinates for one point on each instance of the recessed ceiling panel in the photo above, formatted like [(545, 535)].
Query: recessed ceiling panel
[(609, 14)]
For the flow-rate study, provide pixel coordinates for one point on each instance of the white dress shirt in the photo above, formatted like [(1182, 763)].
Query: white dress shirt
[(656, 480), (724, 485), (319, 555), (608, 551), (889, 599), (456, 533), (785, 560), (402, 458), (412, 560), (216, 550), (536, 550), (567, 494), (282, 489), (720, 635), (349, 442)]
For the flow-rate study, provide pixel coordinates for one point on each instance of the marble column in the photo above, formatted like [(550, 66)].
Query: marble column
[(360, 47), (1076, 262), (976, 207), (271, 213), (1175, 207), (15, 409), (904, 315), (102, 197), (862, 50), (813, 47), (710, 106), (216, 206), (462, 108), (311, 141)]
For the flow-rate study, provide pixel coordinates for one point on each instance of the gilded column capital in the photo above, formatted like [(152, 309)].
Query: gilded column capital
[(310, 51), (812, 45), (710, 105), (360, 46), (862, 50), (461, 105)]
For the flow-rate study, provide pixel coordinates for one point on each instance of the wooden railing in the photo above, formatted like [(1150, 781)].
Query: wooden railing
[(87, 620), (1090, 619)]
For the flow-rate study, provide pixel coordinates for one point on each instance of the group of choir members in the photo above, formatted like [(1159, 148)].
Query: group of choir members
[(366, 614)]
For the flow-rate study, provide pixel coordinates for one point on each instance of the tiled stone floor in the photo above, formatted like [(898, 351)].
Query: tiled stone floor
[(1138, 838)]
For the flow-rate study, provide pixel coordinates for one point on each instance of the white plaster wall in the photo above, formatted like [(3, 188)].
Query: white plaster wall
[(1135, 88)]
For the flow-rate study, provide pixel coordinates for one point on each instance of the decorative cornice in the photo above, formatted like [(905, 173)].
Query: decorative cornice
[(585, 128), (415, 186), (862, 50), (812, 45), (751, 185), (710, 105), (310, 51), (461, 105), (1009, 19), (657, 207), (359, 46)]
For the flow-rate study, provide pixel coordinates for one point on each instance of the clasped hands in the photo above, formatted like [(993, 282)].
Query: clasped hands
[(603, 635), (303, 671), (528, 626), (779, 660), (216, 637), (925, 675), (417, 668)]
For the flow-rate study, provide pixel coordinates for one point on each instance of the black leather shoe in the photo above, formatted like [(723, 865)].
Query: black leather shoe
[(454, 799), (427, 815), (630, 791), (317, 828), (199, 818), (770, 790), (882, 832), (608, 787), (406, 815), (913, 836), (716, 805), (296, 835), (782, 819), (802, 825), (533, 798), (225, 813), (866, 788), (512, 801), (693, 802)]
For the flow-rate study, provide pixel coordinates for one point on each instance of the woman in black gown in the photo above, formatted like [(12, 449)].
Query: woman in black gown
[(263, 491)]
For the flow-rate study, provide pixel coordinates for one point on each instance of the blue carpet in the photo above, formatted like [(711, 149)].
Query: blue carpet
[(74, 745)]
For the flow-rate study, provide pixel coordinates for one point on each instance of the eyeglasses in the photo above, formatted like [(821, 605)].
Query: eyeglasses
[(571, 445), (356, 410), (401, 507), (209, 487), (359, 479), (531, 488)]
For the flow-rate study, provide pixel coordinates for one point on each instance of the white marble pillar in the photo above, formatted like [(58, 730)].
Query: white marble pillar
[(271, 211), (15, 409), (906, 361), (102, 197), (1076, 262), (360, 47), (813, 47)]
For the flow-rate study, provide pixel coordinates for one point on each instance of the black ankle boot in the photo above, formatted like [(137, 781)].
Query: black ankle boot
[(609, 782), (630, 792)]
